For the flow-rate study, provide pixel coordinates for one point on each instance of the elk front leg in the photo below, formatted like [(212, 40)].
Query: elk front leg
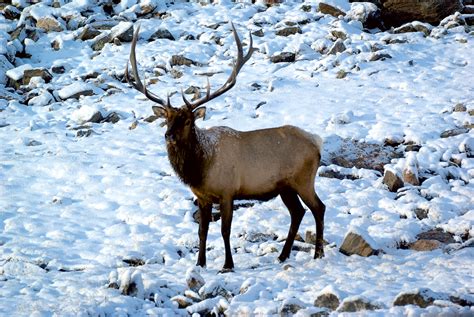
[(226, 206), (205, 209)]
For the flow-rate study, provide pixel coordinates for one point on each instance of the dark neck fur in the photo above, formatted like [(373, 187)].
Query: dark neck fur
[(187, 160)]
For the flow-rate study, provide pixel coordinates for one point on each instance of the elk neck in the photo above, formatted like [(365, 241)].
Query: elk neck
[(189, 159)]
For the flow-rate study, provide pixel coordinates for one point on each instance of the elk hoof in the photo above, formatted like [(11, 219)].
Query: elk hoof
[(224, 270), (319, 253)]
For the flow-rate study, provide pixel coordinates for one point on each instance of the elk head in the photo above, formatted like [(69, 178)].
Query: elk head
[(181, 121)]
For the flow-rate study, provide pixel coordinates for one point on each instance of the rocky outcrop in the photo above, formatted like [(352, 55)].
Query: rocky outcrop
[(398, 12)]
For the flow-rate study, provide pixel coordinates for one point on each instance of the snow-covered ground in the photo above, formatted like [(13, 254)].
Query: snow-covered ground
[(86, 208)]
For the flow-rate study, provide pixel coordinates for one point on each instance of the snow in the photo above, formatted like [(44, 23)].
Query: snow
[(73, 208)]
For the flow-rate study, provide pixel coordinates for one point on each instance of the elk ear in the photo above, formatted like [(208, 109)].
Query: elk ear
[(200, 113), (159, 112)]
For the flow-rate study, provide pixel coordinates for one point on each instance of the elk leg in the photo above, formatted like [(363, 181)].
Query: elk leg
[(226, 206), (205, 217), (292, 202), (318, 209)]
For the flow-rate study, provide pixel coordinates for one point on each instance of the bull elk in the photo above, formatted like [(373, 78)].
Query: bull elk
[(221, 165)]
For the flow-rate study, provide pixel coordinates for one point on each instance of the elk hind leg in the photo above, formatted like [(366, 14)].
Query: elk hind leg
[(292, 202), (226, 206), (311, 199)]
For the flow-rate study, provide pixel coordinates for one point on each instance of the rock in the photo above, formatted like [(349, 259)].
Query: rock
[(112, 117), (180, 60), (379, 56), (194, 280), (341, 74), (356, 304), (162, 34), (325, 8), (5, 65), (328, 300), (460, 107), (208, 307), (420, 297), (410, 170), (96, 118), (36, 72), (123, 32), (75, 91), (88, 33), (182, 301), (337, 47), (398, 12), (415, 26), (49, 24), (392, 180), (214, 289), (367, 13), (412, 148), (290, 30), (339, 34), (355, 244), (258, 33), (421, 213), (290, 307), (438, 235), (284, 57), (11, 13), (454, 132), (425, 245), (100, 41), (58, 69)]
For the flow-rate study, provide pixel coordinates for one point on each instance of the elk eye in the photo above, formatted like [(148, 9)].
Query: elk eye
[(187, 122)]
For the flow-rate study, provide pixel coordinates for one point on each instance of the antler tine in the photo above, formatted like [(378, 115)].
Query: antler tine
[(137, 84), (241, 60)]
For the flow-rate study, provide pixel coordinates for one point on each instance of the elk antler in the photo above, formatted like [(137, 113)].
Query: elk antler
[(136, 82), (241, 60)]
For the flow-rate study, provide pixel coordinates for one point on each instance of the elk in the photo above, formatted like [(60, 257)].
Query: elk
[(221, 164)]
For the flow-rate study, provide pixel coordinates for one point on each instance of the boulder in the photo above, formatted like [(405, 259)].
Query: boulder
[(337, 47), (290, 30), (331, 10), (393, 181), (356, 304), (162, 34), (123, 32), (453, 132), (49, 24), (328, 300), (36, 72), (284, 57), (180, 60), (11, 13), (194, 280), (425, 245), (291, 306), (355, 243), (420, 297), (398, 12), (415, 26), (367, 13), (88, 33), (5, 65)]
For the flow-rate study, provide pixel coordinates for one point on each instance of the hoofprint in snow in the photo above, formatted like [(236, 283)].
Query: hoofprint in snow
[(94, 222)]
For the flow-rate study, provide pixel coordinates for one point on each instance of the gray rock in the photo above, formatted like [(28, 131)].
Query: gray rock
[(290, 30), (339, 34), (5, 65), (285, 57), (258, 33), (328, 300), (414, 27), (162, 34), (11, 13), (337, 47), (421, 213), (58, 69), (377, 56), (88, 33), (453, 132), (425, 245), (355, 305), (100, 41), (290, 307), (355, 244), (438, 235), (180, 60), (460, 107), (393, 181), (123, 32)]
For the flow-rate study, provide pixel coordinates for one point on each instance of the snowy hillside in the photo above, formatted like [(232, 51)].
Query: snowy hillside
[(94, 221)]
